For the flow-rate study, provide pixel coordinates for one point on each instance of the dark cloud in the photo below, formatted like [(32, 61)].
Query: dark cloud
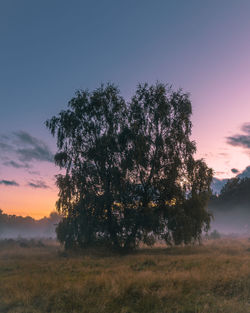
[(8, 182), (32, 148), (246, 128), (34, 154), (26, 138), (38, 184), (241, 140), (234, 170), (24, 148)]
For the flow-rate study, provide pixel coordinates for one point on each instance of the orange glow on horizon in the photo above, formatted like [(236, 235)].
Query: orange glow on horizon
[(22, 201)]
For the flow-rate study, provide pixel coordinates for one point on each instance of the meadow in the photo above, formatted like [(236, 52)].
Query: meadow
[(37, 276)]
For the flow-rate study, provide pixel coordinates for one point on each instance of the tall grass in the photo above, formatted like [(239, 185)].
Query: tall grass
[(211, 278)]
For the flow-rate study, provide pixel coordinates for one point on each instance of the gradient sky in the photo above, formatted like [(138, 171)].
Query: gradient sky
[(49, 49)]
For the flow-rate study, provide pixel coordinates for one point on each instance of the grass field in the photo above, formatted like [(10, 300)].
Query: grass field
[(212, 278)]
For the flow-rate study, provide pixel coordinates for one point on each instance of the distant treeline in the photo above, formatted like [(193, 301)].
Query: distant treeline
[(235, 194), (12, 226)]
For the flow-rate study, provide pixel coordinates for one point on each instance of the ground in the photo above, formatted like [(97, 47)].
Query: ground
[(38, 277)]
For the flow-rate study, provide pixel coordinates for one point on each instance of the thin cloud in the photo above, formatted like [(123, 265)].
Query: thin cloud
[(38, 185), (15, 164), (220, 173), (223, 154), (8, 182), (34, 172)]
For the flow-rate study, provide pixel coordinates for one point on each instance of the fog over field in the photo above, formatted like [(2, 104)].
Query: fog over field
[(231, 206), (12, 226), (235, 221)]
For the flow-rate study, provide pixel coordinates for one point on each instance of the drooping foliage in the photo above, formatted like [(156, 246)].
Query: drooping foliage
[(130, 173)]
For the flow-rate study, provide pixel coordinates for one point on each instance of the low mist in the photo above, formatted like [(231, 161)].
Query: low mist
[(234, 221), (12, 226), (231, 207)]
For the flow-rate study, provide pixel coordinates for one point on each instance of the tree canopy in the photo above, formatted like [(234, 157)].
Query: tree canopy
[(130, 173)]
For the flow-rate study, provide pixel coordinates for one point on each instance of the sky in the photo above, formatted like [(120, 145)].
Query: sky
[(51, 48)]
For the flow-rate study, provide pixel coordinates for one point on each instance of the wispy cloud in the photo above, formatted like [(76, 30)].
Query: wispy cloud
[(16, 164), (8, 182), (241, 140), (38, 184), (20, 149)]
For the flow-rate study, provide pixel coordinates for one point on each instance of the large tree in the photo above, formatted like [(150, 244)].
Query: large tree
[(130, 173)]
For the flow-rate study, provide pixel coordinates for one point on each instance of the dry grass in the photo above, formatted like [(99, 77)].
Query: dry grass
[(211, 278)]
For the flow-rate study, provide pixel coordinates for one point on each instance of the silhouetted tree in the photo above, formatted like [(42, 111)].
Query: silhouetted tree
[(130, 172), (1, 221)]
